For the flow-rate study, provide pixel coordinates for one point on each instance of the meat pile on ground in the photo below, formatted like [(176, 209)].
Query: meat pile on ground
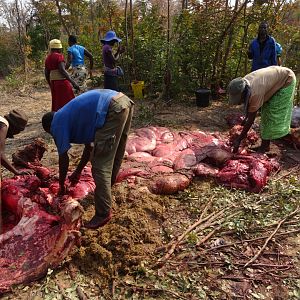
[(38, 228), (167, 161)]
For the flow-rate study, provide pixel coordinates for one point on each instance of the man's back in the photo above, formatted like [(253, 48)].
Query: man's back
[(77, 121)]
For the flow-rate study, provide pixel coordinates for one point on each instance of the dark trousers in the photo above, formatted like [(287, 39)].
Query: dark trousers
[(111, 82)]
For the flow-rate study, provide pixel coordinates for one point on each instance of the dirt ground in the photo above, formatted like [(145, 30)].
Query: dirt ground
[(128, 258)]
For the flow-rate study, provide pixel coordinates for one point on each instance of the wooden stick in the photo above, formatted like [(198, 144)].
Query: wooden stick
[(219, 263), (254, 258), (154, 289), (200, 220), (72, 273), (208, 236), (256, 229), (251, 240), (182, 236), (294, 169)]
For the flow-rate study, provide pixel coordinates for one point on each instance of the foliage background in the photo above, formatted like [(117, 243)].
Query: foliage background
[(174, 46)]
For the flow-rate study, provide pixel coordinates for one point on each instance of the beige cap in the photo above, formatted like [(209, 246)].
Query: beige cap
[(55, 44), (235, 90)]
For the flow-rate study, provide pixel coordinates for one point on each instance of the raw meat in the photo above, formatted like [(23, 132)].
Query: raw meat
[(168, 184), (39, 228), (248, 172)]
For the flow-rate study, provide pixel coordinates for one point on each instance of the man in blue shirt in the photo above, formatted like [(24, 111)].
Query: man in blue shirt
[(262, 50), (76, 54), (102, 117)]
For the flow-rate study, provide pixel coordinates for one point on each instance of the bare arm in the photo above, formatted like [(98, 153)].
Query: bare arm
[(91, 58), (249, 122), (85, 157), (47, 75), (4, 161), (69, 60), (250, 52), (66, 74), (63, 170)]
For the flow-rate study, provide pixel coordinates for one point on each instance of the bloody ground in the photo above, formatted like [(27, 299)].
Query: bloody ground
[(149, 250)]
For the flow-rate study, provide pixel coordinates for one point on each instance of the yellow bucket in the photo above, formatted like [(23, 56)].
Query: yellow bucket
[(138, 89)]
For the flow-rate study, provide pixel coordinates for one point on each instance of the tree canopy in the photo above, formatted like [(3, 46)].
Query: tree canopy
[(178, 45)]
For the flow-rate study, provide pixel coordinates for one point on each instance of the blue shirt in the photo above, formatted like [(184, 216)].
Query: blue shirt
[(262, 58), (79, 119), (77, 52)]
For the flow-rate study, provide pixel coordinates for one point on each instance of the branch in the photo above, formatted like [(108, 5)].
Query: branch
[(61, 18), (269, 238)]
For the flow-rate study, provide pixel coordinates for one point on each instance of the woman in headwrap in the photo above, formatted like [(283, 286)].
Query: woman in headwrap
[(57, 77), (271, 90)]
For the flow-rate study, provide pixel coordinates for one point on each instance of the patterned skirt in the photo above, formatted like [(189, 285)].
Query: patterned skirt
[(276, 114), (79, 74)]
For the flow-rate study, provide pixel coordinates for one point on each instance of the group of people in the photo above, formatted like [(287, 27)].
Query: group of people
[(268, 89), (101, 119), (61, 82)]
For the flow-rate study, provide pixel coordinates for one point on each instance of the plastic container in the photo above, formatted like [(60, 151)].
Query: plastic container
[(203, 97), (138, 89)]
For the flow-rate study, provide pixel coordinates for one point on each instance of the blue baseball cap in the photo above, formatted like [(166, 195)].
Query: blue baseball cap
[(110, 36)]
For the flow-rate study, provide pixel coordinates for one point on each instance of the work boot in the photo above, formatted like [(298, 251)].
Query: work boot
[(98, 221)]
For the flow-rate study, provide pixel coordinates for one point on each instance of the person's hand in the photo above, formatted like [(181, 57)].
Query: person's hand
[(236, 145), (74, 178), (121, 49), (24, 172), (62, 190), (76, 86)]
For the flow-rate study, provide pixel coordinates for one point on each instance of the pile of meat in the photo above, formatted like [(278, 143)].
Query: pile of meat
[(166, 161), (38, 228)]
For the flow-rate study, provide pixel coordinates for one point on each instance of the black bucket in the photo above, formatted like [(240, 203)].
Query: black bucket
[(202, 97)]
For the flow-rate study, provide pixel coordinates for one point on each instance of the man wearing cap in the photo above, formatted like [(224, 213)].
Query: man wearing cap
[(57, 77), (76, 54), (102, 117), (111, 70), (10, 125), (271, 90)]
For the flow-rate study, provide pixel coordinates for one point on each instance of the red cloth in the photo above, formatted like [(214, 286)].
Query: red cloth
[(61, 90)]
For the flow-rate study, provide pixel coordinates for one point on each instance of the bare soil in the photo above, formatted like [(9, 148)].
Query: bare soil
[(119, 261)]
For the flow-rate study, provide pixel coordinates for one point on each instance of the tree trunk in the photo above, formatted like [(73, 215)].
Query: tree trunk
[(126, 39), (221, 39), (167, 76), (61, 18), (132, 41), (229, 43), (21, 38)]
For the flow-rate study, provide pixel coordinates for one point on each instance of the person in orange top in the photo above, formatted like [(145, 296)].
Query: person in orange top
[(57, 77)]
